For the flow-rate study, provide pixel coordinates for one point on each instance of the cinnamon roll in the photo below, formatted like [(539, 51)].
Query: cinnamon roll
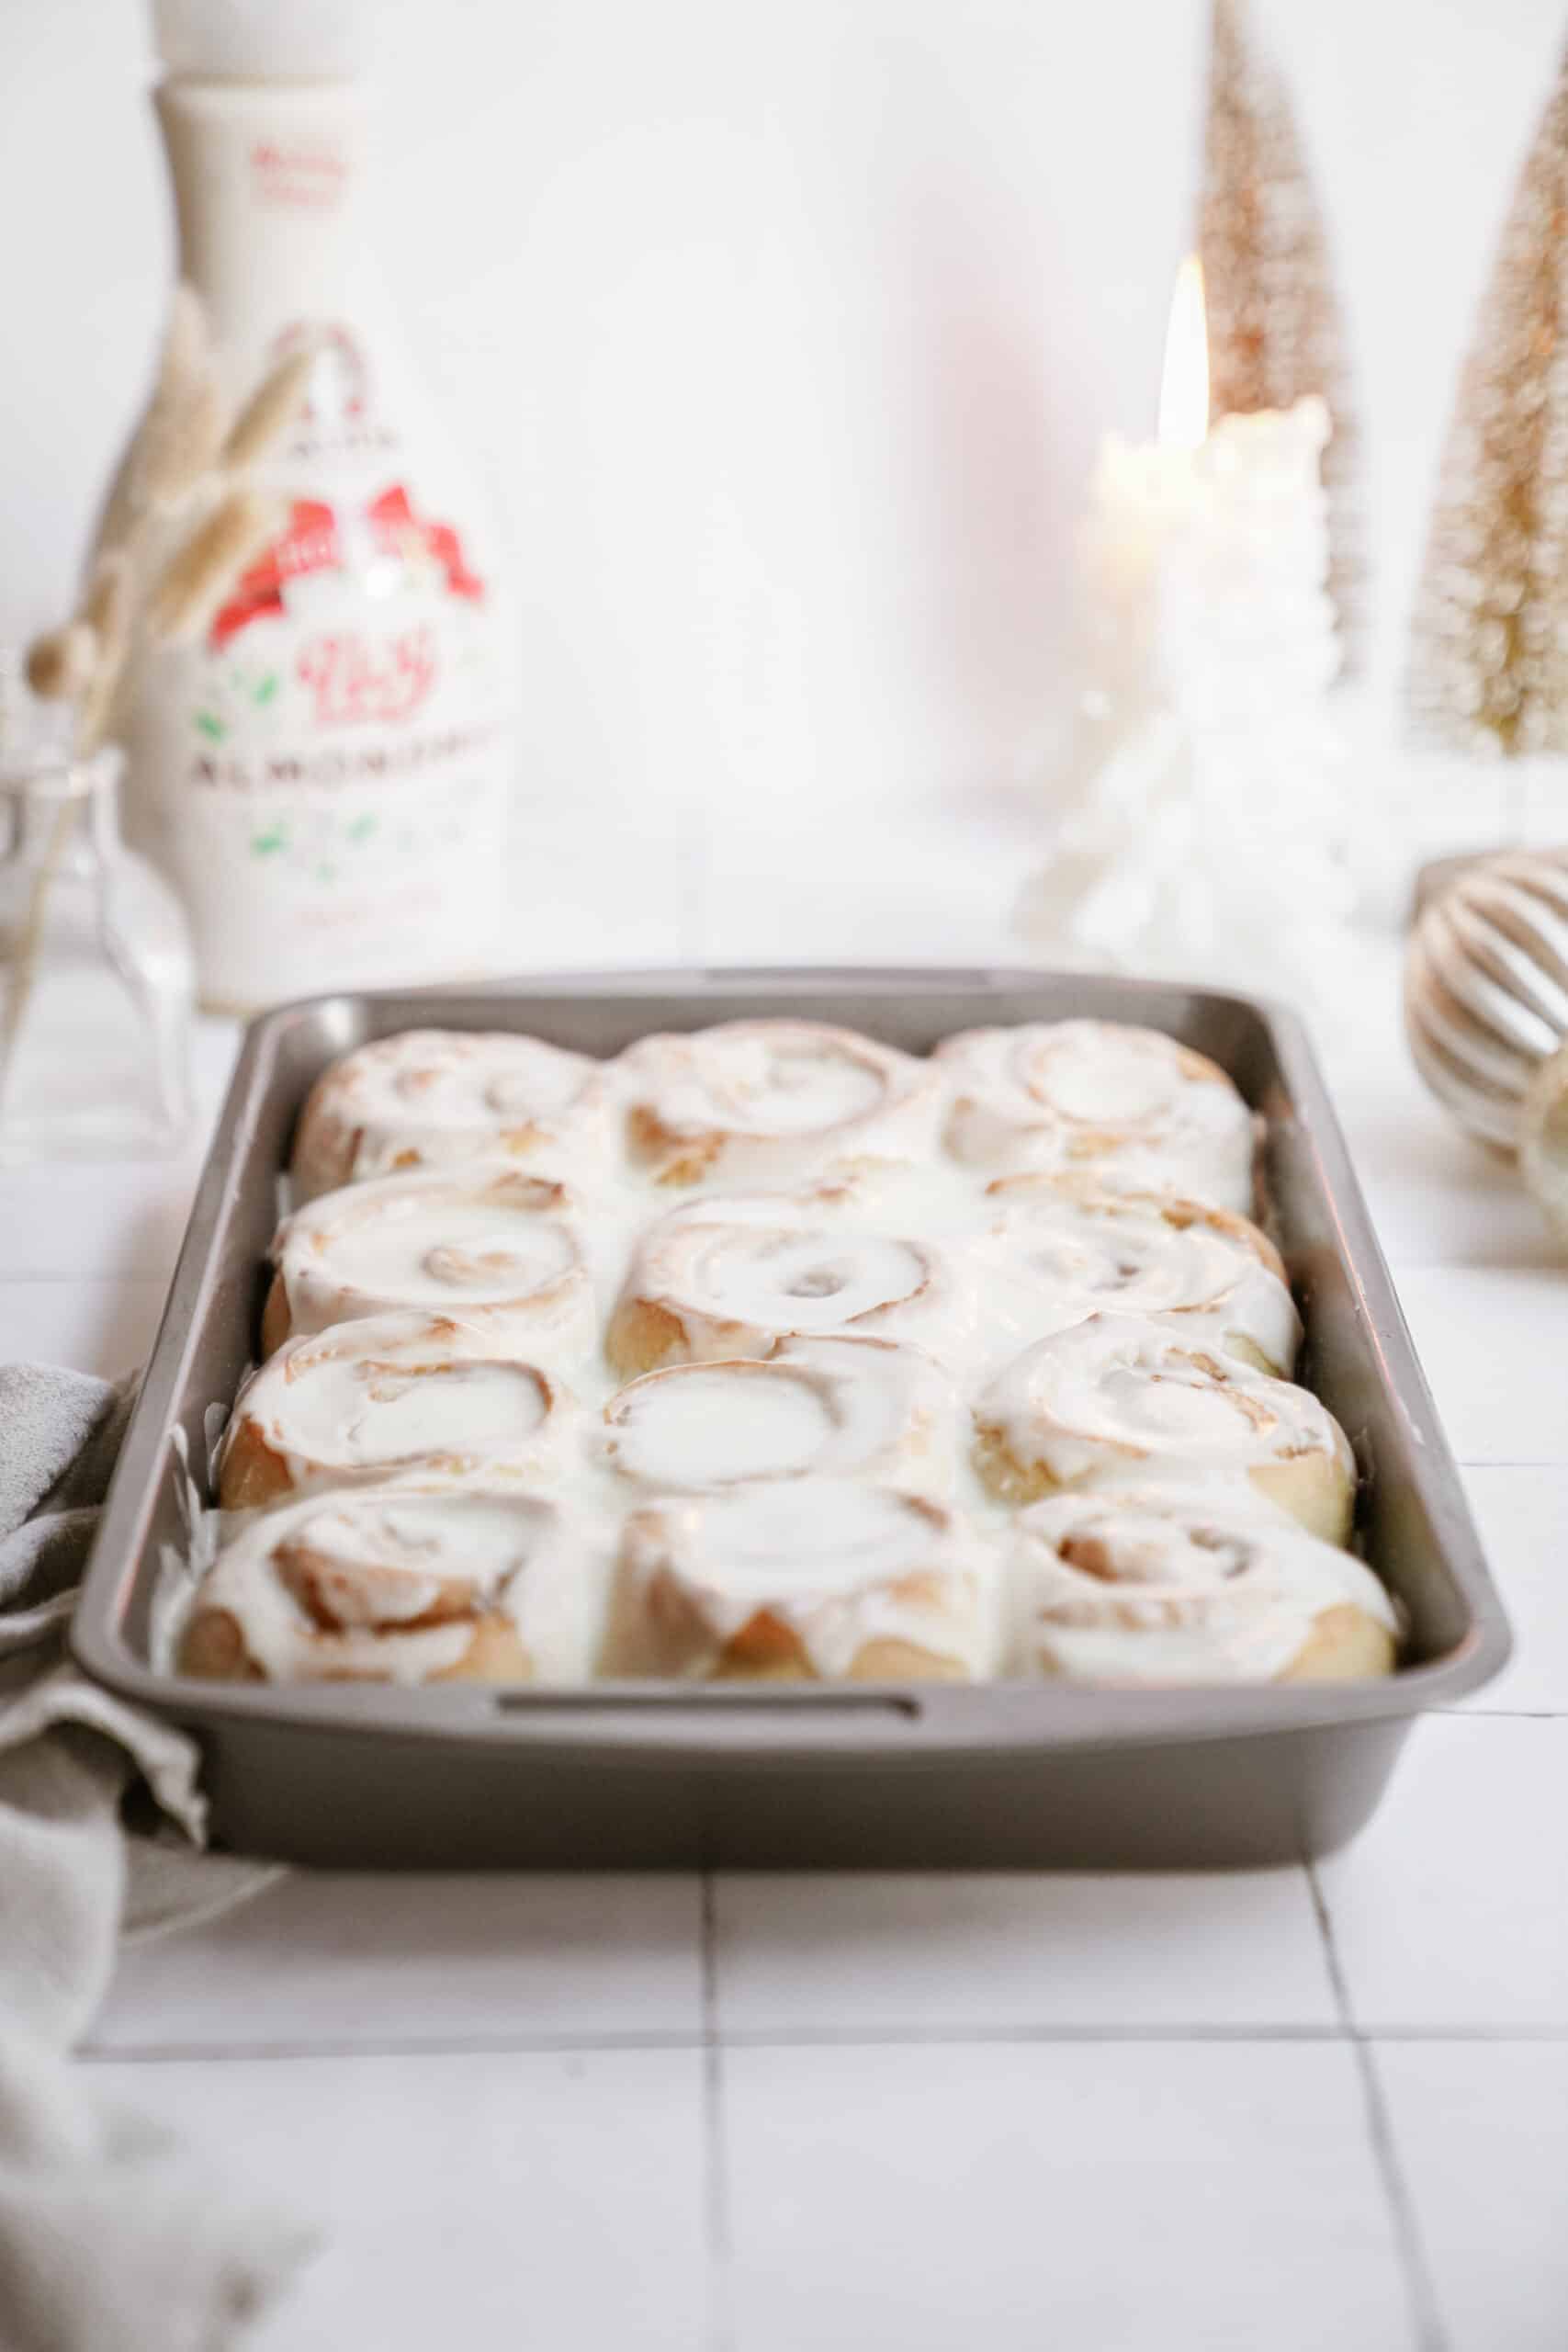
[(731, 1277), (1133, 1107), (432, 1098), (408, 1396), (772, 1103), (803, 1580), (1118, 1398), (1080, 1249), (482, 1237), (830, 1408), (1158, 1585), (389, 1586)]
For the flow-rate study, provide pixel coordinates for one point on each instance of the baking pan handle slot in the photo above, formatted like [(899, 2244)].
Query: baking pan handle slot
[(676, 1721), (592, 1706)]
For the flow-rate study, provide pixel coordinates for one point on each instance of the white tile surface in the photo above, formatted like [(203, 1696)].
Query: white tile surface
[(954, 862), (76, 1218), (1482, 2133), (1202, 2195), (1135, 2198), (96, 1326), (116, 1219), (1522, 1515), (324, 1960), (541, 2198), (601, 879), (1451, 1908), (1491, 1340), (1436, 1196), (883, 1951)]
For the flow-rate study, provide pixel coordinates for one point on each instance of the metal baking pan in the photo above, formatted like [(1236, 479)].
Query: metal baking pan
[(998, 1775)]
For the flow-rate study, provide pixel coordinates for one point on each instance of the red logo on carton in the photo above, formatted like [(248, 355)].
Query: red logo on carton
[(312, 542)]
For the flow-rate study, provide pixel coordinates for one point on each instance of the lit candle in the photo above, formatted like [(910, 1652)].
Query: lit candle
[(1206, 553), (1201, 817)]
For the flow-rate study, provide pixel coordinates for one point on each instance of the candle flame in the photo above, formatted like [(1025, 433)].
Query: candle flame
[(1184, 386)]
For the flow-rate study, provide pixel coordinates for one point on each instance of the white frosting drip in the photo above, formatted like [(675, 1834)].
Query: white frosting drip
[(1174, 1585), (1136, 1107), (840, 1564), (737, 1274), (1117, 1390), (773, 1102), (388, 1584), (480, 1238), (835, 1407), (1210, 1274), (435, 1097), (402, 1392)]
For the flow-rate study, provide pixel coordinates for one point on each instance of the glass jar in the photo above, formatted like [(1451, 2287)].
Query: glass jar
[(95, 973)]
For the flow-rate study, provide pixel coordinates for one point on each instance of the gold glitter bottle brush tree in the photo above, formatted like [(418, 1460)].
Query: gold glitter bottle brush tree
[(1488, 667)]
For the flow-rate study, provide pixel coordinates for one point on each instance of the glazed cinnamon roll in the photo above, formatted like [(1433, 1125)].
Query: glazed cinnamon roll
[(1132, 1107), (772, 1103), (389, 1586), (433, 1098), (410, 1396), (482, 1237), (1080, 1249), (830, 1408), (1117, 1398), (1160, 1585), (804, 1579), (731, 1277)]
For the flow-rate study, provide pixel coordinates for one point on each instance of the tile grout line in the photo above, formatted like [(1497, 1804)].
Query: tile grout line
[(716, 2138), (950, 2037), (1501, 1714), (36, 1277), (1430, 2332)]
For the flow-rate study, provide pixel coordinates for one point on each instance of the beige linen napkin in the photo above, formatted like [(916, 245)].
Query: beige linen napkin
[(112, 2238)]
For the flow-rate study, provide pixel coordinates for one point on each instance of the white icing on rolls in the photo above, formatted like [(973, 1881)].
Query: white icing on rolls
[(433, 1098), (407, 1394), (811, 1577), (391, 1586), (772, 1103), (1164, 1584), (831, 1407), (1212, 1274), (1132, 1106), (1117, 1397), (498, 1239), (780, 1489), (731, 1276)]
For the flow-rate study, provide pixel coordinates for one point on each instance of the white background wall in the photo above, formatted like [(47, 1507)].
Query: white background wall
[(783, 329)]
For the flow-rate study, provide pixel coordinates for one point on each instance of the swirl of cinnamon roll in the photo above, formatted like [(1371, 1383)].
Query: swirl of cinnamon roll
[(410, 1395), (1160, 1584), (383, 1585), (433, 1098), (1118, 1398), (1080, 1249), (772, 1103), (799, 1579), (480, 1238), (829, 1408), (1133, 1107), (731, 1277)]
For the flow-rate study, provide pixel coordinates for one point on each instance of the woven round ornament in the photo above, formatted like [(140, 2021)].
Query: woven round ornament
[(1486, 987)]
